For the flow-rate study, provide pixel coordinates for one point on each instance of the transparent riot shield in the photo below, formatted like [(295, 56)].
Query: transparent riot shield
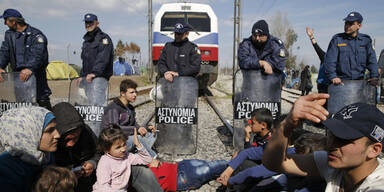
[(253, 90), (352, 91), (16, 93), (90, 99), (176, 115)]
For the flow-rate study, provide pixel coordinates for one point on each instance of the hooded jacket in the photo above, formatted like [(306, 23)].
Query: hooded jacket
[(119, 114), (67, 120)]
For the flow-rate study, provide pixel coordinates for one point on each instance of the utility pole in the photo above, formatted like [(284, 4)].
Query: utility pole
[(236, 39), (150, 64), (236, 33), (69, 45)]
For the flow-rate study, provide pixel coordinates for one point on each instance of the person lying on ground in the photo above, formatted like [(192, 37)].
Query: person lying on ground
[(188, 174)]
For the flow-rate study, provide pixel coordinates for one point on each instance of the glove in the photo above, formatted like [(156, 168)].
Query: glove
[(373, 81)]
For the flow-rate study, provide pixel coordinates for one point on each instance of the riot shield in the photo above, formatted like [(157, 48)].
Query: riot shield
[(352, 91), (16, 93), (176, 115), (90, 99), (252, 90)]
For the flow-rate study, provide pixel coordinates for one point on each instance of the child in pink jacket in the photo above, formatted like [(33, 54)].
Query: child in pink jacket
[(114, 167)]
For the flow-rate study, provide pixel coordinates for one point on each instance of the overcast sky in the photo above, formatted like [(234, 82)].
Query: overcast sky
[(61, 21)]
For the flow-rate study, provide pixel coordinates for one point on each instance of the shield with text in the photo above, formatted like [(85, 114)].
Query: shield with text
[(176, 115), (16, 93), (90, 100), (253, 89), (351, 91)]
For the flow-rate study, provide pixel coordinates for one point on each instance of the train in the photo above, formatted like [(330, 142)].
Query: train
[(203, 20)]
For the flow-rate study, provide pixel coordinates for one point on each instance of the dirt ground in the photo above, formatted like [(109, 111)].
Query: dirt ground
[(60, 88)]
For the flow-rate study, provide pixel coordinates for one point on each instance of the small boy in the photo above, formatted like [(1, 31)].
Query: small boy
[(260, 124)]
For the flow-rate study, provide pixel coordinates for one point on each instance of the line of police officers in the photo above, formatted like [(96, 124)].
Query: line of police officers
[(25, 48), (348, 56)]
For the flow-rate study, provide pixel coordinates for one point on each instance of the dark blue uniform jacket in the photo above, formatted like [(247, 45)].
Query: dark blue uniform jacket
[(273, 52), (348, 57), (97, 54), (27, 49), (182, 57)]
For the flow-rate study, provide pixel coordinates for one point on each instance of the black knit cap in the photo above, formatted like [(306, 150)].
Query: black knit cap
[(260, 28), (67, 118)]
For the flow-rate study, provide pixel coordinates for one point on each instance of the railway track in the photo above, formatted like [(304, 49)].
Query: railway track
[(289, 95)]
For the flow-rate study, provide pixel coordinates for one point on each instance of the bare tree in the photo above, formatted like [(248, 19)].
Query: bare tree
[(301, 65), (123, 48), (134, 47), (119, 50), (281, 28), (314, 69)]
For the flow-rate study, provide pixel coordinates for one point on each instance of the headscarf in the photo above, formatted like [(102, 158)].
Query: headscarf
[(21, 130)]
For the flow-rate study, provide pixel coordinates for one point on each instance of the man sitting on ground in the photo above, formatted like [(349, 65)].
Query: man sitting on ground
[(350, 162)]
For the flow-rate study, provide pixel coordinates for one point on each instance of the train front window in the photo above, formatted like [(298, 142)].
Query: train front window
[(199, 21), (169, 20)]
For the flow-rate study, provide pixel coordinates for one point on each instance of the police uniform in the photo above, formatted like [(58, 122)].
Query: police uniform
[(97, 54), (183, 57), (27, 50), (348, 57), (273, 52)]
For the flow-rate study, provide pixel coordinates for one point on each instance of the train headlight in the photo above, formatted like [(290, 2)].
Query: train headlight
[(206, 52)]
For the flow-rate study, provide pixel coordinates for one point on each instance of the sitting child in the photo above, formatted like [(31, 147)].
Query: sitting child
[(114, 168), (56, 179), (260, 125), (186, 174)]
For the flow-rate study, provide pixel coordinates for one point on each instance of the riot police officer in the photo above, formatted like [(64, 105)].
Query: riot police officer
[(97, 51), (350, 53), (180, 57), (262, 51), (25, 48)]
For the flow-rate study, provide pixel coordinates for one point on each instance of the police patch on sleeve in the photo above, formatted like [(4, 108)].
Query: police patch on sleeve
[(197, 50), (105, 41), (282, 53), (40, 39)]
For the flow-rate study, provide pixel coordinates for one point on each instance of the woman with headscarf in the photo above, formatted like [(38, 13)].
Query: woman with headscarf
[(28, 135)]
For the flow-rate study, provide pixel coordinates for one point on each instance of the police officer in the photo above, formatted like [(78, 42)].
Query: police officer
[(180, 57), (25, 48), (262, 51), (350, 53), (97, 51)]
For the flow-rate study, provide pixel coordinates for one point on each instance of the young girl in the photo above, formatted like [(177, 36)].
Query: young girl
[(114, 167)]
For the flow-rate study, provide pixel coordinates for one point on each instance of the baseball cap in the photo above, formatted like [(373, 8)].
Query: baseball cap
[(357, 120), (90, 17), (11, 13), (181, 28), (354, 16)]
